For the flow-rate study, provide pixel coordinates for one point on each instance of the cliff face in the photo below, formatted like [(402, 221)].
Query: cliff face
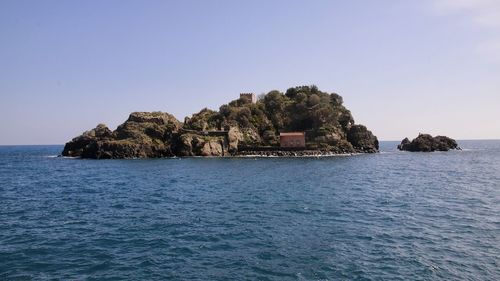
[(329, 127)]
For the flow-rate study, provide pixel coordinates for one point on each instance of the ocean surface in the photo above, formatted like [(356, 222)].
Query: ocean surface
[(387, 216)]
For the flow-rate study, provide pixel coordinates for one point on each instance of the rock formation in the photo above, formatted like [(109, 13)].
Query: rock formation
[(362, 139), (427, 143), (143, 135), (329, 127)]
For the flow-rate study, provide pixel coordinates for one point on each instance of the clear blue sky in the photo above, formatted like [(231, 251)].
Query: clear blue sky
[(403, 67)]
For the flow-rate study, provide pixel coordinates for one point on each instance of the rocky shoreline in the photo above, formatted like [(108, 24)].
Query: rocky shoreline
[(326, 126), (299, 153)]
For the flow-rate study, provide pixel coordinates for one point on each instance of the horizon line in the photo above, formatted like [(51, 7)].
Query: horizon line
[(52, 144)]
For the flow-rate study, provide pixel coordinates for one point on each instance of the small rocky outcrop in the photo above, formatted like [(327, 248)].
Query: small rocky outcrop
[(427, 143)]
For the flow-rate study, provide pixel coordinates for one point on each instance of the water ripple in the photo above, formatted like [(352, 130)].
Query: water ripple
[(390, 216)]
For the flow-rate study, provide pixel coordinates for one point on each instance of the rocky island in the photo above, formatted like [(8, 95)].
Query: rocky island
[(301, 121), (427, 143)]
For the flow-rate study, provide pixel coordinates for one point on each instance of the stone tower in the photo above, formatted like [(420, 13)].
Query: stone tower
[(250, 97)]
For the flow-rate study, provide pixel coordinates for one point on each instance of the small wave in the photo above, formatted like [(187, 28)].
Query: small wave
[(292, 156)]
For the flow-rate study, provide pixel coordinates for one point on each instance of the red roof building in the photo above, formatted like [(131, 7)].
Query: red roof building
[(293, 139)]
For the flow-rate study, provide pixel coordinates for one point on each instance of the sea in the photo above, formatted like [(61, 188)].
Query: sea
[(386, 216)]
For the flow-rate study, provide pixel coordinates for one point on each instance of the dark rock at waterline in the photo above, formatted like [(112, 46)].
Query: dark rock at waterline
[(80, 145), (427, 143), (362, 139)]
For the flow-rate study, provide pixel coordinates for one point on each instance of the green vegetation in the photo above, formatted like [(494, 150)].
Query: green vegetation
[(328, 125), (321, 115)]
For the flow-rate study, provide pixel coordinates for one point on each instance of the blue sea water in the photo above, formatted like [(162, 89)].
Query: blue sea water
[(387, 216)]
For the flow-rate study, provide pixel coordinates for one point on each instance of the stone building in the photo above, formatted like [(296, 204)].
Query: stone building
[(250, 97), (293, 139)]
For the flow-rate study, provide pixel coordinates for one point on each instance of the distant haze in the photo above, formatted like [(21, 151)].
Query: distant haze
[(402, 67)]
